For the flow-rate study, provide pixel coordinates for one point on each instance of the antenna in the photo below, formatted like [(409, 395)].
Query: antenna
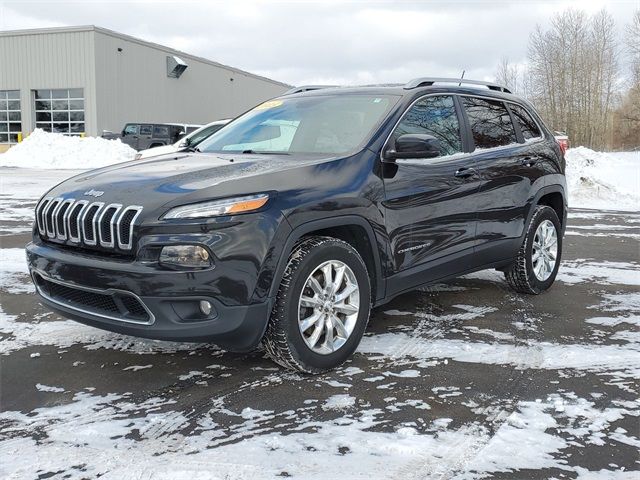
[(461, 77)]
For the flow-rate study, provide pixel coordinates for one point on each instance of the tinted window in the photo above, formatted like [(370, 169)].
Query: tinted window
[(490, 122), (161, 131), (527, 125), (434, 116), (146, 129)]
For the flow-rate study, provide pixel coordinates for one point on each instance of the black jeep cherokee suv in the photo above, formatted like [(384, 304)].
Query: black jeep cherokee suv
[(289, 224)]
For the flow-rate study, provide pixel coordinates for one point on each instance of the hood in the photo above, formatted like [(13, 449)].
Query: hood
[(178, 178), (157, 151)]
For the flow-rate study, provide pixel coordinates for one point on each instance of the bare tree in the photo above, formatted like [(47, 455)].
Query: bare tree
[(508, 75), (571, 75), (626, 119)]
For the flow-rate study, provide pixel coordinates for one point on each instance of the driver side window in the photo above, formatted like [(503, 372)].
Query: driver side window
[(435, 116)]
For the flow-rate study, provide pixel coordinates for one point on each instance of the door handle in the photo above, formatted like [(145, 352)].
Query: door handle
[(529, 161), (465, 172)]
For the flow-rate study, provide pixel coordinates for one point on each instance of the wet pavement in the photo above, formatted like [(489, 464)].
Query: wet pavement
[(464, 379)]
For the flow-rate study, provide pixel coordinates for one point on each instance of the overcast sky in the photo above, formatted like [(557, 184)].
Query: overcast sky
[(331, 42)]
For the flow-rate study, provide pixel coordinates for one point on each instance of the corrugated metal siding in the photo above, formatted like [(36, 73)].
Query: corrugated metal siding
[(132, 85), (49, 60)]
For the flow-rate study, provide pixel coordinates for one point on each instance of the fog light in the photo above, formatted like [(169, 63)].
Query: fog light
[(205, 307), (190, 256)]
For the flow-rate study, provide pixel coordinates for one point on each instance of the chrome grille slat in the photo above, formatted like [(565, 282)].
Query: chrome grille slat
[(40, 214), (89, 220), (61, 218), (79, 206), (122, 228), (111, 242), (93, 224), (49, 217)]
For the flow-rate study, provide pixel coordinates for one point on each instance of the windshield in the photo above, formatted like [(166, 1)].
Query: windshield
[(322, 124)]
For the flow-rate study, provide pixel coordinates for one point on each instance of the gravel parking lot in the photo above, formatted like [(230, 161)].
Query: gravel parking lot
[(463, 379)]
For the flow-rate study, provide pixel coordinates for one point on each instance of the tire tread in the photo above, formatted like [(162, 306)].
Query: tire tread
[(275, 341), (517, 274)]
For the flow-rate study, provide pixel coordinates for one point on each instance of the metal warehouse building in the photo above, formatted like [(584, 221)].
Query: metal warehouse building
[(88, 79)]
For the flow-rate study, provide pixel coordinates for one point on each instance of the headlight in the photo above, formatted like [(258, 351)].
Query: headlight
[(190, 256), (216, 208)]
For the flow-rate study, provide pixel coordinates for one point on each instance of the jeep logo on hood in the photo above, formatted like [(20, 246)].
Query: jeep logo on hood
[(94, 193)]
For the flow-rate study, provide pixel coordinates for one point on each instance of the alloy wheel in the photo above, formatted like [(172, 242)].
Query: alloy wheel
[(328, 307), (545, 250)]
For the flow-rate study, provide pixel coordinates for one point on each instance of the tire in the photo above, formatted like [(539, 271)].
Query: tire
[(284, 340), (522, 275)]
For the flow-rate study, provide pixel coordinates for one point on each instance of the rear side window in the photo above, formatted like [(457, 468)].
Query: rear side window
[(146, 129), (161, 131), (434, 116), (490, 122), (528, 126)]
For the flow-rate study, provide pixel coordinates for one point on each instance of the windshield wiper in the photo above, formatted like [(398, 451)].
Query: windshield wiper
[(248, 152), (192, 149)]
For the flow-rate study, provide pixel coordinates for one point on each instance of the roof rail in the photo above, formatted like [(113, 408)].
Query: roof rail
[(307, 88), (428, 81)]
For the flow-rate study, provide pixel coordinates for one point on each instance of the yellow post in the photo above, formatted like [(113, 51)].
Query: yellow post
[(19, 137), (82, 135)]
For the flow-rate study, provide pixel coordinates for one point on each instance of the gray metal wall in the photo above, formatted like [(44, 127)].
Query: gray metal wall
[(132, 85), (33, 61), (126, 86)]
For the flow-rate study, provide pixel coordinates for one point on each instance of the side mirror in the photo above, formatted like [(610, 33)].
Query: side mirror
[(124, 133), (414, 145), (185, 142)]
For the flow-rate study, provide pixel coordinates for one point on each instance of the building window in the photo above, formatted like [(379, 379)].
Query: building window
[(10, 119), (60, 110)]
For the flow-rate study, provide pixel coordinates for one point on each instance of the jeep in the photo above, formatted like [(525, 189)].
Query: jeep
[(288, 225), (142, 136)]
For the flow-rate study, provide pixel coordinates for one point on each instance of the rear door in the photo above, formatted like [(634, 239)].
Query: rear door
[(429, 204), (510, 170), (146, 132)]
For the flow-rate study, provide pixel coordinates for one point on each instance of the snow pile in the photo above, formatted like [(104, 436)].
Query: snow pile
[(56, 151), (608, 181)]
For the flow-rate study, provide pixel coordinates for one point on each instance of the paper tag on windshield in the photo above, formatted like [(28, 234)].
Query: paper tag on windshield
[(269, 104)]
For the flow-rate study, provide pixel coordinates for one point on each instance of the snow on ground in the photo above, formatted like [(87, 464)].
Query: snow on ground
[(56, 151), (598, 180), (461, 380)]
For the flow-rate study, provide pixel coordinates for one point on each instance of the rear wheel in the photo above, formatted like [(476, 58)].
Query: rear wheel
[(322, 307), (536, 266)]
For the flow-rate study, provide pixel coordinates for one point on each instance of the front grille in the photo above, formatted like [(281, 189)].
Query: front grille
[(90, 224), (112, 304)]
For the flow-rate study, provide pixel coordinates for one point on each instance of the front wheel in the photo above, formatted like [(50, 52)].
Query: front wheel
[(536, 266), (322, 307)]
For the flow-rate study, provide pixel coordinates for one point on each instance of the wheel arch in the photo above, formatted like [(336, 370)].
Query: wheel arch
[(553, 196), (355, 230)]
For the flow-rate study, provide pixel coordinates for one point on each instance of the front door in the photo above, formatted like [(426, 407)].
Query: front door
[(430, 206), (130, 135)]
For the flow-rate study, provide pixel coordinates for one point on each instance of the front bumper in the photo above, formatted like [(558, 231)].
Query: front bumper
[(170, 298)]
